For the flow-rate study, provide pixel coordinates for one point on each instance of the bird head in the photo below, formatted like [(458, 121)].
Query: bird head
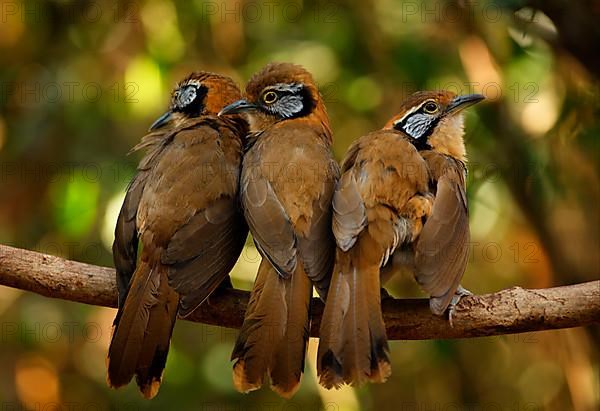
[(199, 94), (434, 120), (281, 92)]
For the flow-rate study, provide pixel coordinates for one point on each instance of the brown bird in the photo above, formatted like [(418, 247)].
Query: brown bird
[(288, 179), (182, 207), (401, 193)]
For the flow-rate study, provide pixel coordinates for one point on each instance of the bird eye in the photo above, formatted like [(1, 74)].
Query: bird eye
[(269, 97), (430, 107)]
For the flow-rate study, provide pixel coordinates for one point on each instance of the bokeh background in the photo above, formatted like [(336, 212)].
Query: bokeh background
[(80, 82)]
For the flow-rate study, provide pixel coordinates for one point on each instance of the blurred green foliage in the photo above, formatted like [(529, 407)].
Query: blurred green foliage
[(80, 81)]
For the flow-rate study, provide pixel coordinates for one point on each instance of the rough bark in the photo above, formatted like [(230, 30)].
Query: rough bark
[(514, 310)]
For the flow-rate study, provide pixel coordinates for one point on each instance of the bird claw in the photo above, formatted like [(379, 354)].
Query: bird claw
[(458, 295)]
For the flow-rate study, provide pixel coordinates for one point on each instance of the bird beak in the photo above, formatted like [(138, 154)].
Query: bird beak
[(161, 121), (239, 106), (462, 102)]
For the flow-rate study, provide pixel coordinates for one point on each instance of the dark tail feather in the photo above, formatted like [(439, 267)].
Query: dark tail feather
[(329, 367), (288, 364), (142, 331), (274, 335), (153, 356), (353, 347), (263, 326)]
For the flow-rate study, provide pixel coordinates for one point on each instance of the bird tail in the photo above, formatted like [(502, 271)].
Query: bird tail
[(274, 335), (142, 330), (353, 344)]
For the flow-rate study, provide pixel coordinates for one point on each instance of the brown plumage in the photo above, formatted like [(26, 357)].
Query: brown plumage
[(182, 206), (288, 178), (401, 194)]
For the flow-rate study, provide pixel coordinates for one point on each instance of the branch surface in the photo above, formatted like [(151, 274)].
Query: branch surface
[(509, 311)]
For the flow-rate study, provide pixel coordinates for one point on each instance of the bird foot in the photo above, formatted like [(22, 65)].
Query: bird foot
[(458, 295)]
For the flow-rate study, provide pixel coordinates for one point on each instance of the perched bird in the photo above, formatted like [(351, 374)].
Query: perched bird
[(182, 207), (288, 179), (401, 194)]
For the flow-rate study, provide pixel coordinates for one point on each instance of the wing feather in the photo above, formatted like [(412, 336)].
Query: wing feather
[(442, 250), (269, 224), (202, 252)]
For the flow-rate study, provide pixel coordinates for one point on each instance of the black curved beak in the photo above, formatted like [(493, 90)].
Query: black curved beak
[(161, 121), (462, 102), (239, 106)]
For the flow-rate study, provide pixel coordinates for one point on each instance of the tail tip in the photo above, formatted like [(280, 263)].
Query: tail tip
[(381, 372), (330, 371), (286, 392), (329, 380), (111, 382), (110, 379), (240, 379), (332, 374), (150, 391), (381, 368)]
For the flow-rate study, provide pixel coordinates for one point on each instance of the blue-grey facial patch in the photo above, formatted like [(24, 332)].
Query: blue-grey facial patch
[(287, 105), (185, 96), (290, 100), (189, 98), (418, 125)]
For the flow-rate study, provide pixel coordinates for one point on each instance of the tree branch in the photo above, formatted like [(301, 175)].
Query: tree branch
[(514, 310)]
